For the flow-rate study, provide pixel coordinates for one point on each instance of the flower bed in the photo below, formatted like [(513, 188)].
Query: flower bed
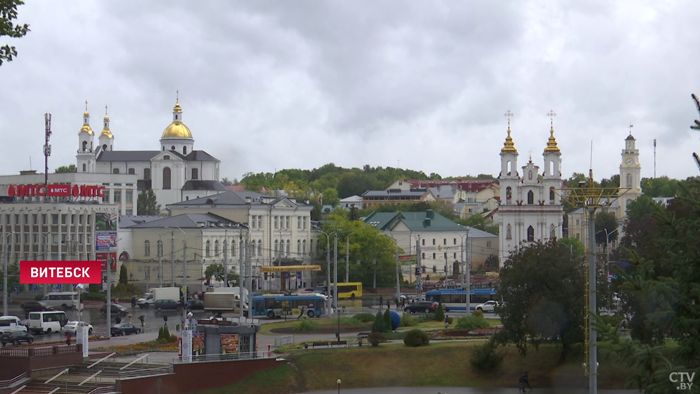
[(346, 327), (141, 347)]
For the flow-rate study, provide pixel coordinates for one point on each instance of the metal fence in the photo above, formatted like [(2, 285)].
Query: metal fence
[(227, 357)]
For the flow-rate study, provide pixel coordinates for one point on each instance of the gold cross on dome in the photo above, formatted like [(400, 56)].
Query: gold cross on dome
[(177, 96), (105, 110), (508, 115), (85, 105), (551, 115)]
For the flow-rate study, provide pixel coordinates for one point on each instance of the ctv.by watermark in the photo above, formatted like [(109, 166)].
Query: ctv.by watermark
[(683, 380)]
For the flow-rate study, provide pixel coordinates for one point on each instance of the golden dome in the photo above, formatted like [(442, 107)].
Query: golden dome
[(177, 129), (509, 146), (86, 129), (177, 108), (552, 142)]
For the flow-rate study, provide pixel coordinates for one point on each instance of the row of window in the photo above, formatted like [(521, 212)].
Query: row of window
[(280, 222), (166, 173), (531, 232), (35, 218), (531, 195), (37, 238), (118, 196), (444, 241), (301, 247)]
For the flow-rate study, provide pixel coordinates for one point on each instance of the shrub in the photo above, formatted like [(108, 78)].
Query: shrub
[(485, 358), (395, 335), (387, 320), (364, 317), (427, 317), (407, 320), (173, 338), (440, 313), (307, 325), (415, 338), (472, 322), (94, 296), (160, 333), (375, 338), (378, 325), (478, 312), (450, 320)]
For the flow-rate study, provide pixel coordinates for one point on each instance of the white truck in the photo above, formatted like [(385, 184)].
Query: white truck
[(159, 293), (11, 324), (219, 302)]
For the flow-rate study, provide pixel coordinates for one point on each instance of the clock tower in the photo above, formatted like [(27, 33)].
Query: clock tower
[(630, 175)]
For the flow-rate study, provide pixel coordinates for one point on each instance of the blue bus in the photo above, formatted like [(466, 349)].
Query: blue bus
[(273, 306), (456, 299)]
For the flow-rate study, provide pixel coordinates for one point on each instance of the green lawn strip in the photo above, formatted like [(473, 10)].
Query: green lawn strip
[(439, 364), (265, 382)]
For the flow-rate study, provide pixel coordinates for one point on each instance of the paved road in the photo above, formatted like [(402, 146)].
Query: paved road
[(460, 390)]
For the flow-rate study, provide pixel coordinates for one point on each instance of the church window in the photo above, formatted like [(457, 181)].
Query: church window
[(163, 149), (233, 248), (508, 234), (303, 248), (276, 246), (172, 147), (195, 173), (509, 193), (298, 246), (207, 249), (147, 248), (84, 167), (551, 194), (166, 157), (184, 150), (146, 173), (629, 180), (508, 168), (216, 248), (104, 147), (530, 234), (166, 178), (530, 197), (115, 171), (84, 146)]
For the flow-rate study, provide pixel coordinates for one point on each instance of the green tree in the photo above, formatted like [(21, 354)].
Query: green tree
[(575, 247), (123, 275), (65, 169), (492, 262), (12, 278), (330, 197), (662, 186), (387, 320), (574, 180), (146, 203), (217, 272), (378, 325), (227, 182), (8, 13), (542, 290), (440, 312)]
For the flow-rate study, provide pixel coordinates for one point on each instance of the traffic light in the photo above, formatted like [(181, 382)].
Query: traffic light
[(418, 271)]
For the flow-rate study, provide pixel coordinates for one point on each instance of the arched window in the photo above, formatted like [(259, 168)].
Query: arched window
[(216, 248), (104, 147), (303, 248), (530, 234), (298, 246), (530, 197), (159, 247), (84, 167), (115, 171), (629, 180), (551, 193), (287, 248), (233, 248), (508, 168), (259, 247), (163, 149), (195, 173), (84, 146), (207, 249), (146, 248), (146, 173), (509, 193), (132, 171), (552, 233), (276, 247), (166, 178), (508, 234), (172, 147), (184, 150), (311, 246)]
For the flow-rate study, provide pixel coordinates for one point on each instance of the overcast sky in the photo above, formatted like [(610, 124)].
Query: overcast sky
[(424, 85)]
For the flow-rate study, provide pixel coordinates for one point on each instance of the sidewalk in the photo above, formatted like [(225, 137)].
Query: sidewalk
[(461, 390)]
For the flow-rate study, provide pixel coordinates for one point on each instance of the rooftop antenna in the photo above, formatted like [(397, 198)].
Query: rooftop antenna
[(47, 153), (654, 157)]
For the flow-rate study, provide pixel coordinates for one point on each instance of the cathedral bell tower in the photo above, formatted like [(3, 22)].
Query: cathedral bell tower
[(85, 156), (630, 174)]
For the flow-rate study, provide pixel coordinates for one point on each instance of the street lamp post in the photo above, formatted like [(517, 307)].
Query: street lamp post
[(347, 258), (338, 381), (328, 269), (607, 253)]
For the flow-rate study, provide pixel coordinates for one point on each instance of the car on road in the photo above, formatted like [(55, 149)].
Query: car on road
[(488, 306), (196, 304), (166, 304), (145, 301), (124, 329), (16, 337), (72, 327), (116, 308), (421, 306), (35, 306)]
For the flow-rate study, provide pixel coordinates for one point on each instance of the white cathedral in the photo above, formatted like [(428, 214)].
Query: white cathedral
[(530, 209), (175, 172)]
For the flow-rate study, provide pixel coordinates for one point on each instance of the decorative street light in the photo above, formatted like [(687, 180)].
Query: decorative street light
[(338, 381)]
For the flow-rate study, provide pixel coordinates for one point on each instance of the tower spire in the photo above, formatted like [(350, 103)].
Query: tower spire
[(509, 146), (552, 142)]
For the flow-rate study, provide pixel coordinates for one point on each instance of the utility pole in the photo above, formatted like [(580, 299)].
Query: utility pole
[(5, 290), (47, 153), (398, 276), (160, 264), (241, 275), (467, 270), (184, 267), (592, 294), (249, 276), (172, 258), (225, 258), (109, 295), (419, 269), (335, 275)]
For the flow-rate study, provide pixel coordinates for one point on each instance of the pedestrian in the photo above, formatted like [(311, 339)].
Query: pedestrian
[(447, 321), (301, 313), (118, 319), (165, 320), (68, 338), (143, 323), (388, 303), (396, 301), (524, 382), (381, 301), (133, 301)]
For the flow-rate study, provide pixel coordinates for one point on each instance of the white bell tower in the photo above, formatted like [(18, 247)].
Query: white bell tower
[(85, 155)]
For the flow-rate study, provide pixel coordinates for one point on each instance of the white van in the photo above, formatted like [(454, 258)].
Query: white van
[(47, 322), (11, 324), (64, 300)]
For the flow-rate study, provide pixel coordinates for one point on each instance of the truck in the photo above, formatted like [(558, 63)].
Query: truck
[(11, 324), (159, 293), (145, 301), (234, 290), (219, 301)]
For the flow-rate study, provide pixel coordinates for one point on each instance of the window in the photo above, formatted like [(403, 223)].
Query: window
[(509, 192), (422, 256), (207, 249), (195, 173), (303, 223), (259, 221), (276, 247), (552, 233), (629, 180), (172, 147), (115, 171), (252, 221), (159, 248), (530, 234), (233, 248), (277, 224), (118, 196), (551, 193), (129, 197), (444, 241), (184, 150), (488, 245), (433, 241), (146, 248), (455, 243), (84, 167), (311, 246), (298, 246), (286, 222), (287, 249), (508, 234), (303, 248), (166, 178), (578, 222), (216, 248), (146, 173), (434, 259), (166, 157), (423, 242), (132, 171), (298, 222), (259, 248), (530, 197)]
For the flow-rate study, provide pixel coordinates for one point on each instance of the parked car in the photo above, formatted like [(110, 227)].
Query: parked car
[(166, 304), (116, 308), (488, 306), (35, 306), (421, 306), (72, 327), (17, 337), (124, 329), (196, 304)]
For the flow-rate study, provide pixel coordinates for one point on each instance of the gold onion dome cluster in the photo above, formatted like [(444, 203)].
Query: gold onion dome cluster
[(177, 129), (509, 145), (106, 130), (86, 127), (552, 142)]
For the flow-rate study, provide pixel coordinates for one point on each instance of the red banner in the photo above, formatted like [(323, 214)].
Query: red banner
[(60, 272), (104, 256)]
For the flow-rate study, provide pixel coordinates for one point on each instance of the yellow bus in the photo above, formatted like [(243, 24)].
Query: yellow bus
[(350, 290)]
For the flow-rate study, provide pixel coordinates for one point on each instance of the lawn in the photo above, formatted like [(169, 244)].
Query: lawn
[(265, 328), (440, 364)]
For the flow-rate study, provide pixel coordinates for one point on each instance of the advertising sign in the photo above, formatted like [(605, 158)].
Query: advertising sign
[(56, 191), (106, 242), (186, 346), (229, 343), (104, 256), (64, 272)]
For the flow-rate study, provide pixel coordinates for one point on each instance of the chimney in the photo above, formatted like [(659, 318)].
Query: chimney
[(426, 222)]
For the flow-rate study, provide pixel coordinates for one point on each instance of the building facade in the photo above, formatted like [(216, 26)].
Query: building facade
[(375, 198), (530, 209)]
